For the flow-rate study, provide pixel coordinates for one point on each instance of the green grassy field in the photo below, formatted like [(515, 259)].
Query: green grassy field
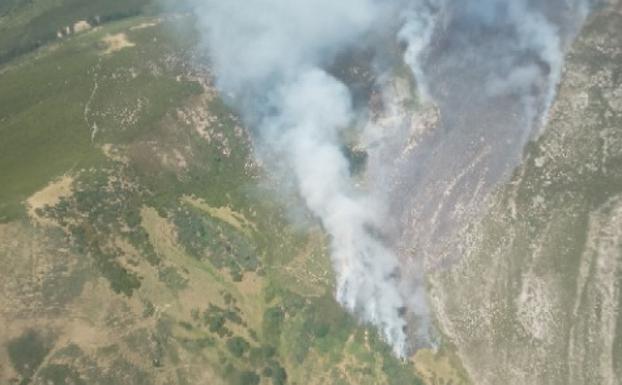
[(29, 24)]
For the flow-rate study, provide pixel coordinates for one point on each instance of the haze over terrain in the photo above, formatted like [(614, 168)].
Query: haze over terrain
[(491, 68), (288, 192)]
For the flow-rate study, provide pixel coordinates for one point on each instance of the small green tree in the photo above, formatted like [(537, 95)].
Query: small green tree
[(237, 346)]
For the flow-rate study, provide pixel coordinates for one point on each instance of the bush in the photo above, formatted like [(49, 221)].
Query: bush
[(237, 346), (248, 378), (279, 375), (272, 320)]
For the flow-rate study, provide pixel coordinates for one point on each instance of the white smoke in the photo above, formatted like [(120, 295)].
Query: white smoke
[(499, 48), (492, 67), (313, 109), (270, 58)]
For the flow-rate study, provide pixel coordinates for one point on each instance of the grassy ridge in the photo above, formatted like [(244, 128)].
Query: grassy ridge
[(45, 100), (29, 24)]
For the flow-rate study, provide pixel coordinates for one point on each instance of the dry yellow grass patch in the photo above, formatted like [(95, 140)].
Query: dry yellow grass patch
[(49, 196), (147, 24), (115, 153), (116, 43), (251, 289), (205, 283), (251, 284), (161, 231), (225, 214), (308, 272), (439, 368), (81, 26)]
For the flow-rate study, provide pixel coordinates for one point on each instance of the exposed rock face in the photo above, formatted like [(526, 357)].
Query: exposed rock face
[(531, 294)]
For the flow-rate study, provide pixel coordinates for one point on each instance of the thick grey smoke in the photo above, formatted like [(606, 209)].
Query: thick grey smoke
[(491, 66)]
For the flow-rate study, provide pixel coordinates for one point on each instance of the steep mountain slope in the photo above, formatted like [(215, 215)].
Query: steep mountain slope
[(534, 297)]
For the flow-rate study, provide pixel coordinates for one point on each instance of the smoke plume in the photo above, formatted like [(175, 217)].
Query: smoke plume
[(491, 67), (270, 57)]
